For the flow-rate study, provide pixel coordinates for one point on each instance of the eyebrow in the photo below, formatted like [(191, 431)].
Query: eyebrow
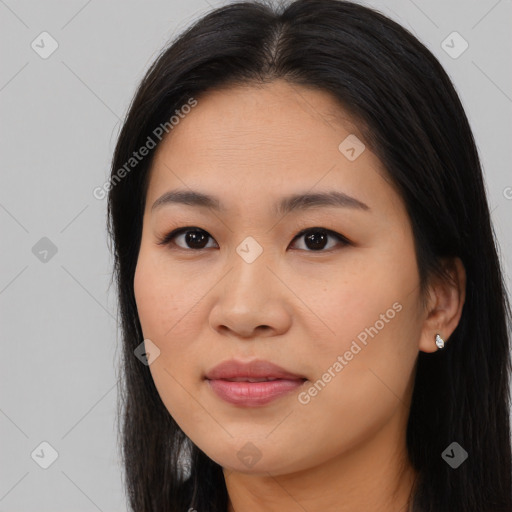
[(287, 204)]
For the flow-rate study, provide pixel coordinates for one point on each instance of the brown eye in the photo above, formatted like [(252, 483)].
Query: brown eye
[(316, 239), (193, 238)]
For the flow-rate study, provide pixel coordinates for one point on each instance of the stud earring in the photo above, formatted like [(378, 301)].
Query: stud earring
[(439, 341)]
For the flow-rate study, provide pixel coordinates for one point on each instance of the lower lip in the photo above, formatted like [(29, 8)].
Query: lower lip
[(251, 394)]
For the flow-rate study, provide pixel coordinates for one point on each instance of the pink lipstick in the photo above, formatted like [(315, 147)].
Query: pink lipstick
[(251, 384)]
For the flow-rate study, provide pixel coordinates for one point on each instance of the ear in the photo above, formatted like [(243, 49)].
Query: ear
[(444, 305)]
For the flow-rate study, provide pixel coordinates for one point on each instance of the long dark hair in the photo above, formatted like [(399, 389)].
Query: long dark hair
[(412, 119)]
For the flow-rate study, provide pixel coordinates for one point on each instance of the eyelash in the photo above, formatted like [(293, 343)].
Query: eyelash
[(166, 239)]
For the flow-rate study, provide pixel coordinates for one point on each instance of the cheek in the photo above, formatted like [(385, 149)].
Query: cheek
[(148, 297), (361, 306), (362, 373), (166, 321), (372, 316), (159, 295), (167, 305)]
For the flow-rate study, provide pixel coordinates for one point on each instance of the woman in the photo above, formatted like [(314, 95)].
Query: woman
[(313, 310)]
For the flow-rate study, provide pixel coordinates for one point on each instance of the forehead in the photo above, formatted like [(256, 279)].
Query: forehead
[(277, 113), (264, 141)]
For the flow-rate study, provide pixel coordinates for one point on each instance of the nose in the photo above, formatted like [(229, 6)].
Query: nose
[(251, 300)]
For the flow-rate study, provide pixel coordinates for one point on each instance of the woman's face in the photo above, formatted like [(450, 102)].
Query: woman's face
[(344, 318)]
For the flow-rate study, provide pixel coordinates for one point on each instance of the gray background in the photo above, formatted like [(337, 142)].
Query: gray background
[(60, 119)]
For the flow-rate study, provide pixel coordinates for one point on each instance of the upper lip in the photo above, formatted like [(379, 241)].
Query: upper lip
[(256, 369)]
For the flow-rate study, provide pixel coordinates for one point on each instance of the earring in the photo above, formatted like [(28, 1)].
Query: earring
[(439, 341)]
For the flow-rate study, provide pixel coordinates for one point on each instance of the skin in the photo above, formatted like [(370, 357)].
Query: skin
[(344, 450)]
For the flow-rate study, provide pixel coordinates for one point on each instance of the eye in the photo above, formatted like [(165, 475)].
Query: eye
[(196, 238), (316, 238)]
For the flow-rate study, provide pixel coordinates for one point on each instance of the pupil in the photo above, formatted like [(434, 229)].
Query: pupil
[(317, 238), (195, 238)]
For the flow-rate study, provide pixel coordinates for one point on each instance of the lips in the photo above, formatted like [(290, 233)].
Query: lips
[(252, 384), (248, 379), (253, 394), (253, 371)]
